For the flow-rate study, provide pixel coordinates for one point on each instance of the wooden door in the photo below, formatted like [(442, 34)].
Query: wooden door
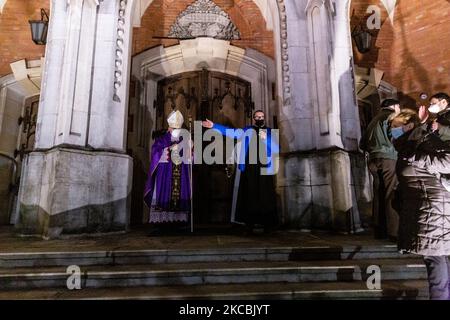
[(223, 99)]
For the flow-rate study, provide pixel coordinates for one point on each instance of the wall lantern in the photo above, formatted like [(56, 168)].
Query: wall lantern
[(363, 39), (39, 29)]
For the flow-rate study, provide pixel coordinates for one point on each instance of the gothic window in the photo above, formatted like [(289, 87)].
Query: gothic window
[(321, 56)]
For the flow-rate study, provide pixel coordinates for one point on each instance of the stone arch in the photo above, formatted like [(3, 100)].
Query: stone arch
[(161, 15), (274, 13), (215, 55), (140, 6)]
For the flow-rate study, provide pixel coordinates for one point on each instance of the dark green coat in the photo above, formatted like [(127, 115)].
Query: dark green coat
[(377, 139)]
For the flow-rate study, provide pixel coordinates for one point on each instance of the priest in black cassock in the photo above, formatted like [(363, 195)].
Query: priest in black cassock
[(258, 163)]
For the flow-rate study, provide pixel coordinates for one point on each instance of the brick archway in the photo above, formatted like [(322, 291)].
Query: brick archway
[(161, 15), (215, 55), (270, 14)]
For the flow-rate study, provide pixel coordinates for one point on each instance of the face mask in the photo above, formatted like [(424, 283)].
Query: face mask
[(176, 133), (435, 108), (259, 123), (397, 132)]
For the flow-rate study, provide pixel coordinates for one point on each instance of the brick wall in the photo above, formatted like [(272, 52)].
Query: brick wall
[(15, 34), (414, 52), (246, 16)]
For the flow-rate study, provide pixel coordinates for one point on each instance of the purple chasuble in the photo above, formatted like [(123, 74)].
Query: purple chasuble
[(167, 190)]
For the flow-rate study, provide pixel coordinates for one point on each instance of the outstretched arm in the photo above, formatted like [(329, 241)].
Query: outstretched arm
[(224, 130)]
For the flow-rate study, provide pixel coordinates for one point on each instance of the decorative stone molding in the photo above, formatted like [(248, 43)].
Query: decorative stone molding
[(204, 19), (119, 53), (284, 53), (28, 75), (216, 55)]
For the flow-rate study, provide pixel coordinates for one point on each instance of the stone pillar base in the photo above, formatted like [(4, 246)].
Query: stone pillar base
[(327, 190), (67, 191)]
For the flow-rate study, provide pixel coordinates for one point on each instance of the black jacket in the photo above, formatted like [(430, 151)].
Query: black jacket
[(442, 118), (424, 204)]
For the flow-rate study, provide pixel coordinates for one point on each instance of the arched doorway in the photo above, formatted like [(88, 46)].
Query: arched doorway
[(198, 95), (225, 85)]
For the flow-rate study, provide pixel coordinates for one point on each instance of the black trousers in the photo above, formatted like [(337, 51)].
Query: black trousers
[(385, 218), (438, 269), (256, 203)]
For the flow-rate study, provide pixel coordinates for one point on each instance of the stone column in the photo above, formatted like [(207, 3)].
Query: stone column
[(320, 179), (78, 180)]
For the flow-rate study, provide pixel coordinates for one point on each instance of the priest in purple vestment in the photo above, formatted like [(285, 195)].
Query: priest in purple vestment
[(167, 190)]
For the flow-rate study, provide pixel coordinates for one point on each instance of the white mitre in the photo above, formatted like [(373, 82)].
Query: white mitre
[(175, 119)]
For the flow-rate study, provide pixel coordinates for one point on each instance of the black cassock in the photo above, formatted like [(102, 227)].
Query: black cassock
[(256, 201)]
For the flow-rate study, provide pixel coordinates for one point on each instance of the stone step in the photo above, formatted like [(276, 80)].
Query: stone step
[(213, 273), (40, 258), (409, 289)]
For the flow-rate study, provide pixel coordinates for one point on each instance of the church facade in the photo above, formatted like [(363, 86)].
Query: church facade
[(77, 125)]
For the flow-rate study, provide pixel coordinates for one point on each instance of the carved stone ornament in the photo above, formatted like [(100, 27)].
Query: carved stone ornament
[(284, 53), (204, 19), (119, 50)]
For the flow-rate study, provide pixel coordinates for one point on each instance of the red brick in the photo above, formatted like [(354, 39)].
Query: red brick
[(411, 52), (161, 14), (15, 34)]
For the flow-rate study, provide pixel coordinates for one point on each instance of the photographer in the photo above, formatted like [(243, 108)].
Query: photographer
[(439, 119), (423, 203)]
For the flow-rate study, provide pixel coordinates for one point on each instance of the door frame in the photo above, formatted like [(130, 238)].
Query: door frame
[(195, 88), (158, 63)]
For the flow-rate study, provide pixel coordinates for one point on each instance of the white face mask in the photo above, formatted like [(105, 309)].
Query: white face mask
[(176, 133), (435, 108)]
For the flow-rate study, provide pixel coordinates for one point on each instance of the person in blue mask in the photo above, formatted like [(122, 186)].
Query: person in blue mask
[(422, 202), (376, 141)]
